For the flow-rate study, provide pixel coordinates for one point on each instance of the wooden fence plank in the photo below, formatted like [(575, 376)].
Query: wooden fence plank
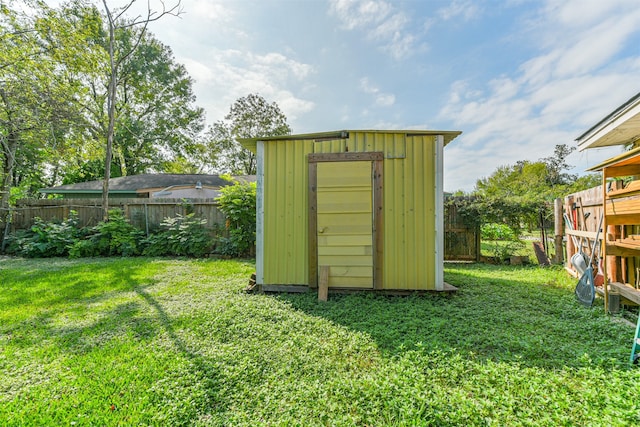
[(146, 214)]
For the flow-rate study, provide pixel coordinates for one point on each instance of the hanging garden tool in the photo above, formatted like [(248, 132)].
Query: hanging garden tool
[(579, 259), (585, 289)]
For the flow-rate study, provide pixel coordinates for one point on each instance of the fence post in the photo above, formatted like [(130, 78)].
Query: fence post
[(559, 230), (571, 249)]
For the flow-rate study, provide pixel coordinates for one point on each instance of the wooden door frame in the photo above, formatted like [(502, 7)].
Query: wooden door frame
[(377, 159)]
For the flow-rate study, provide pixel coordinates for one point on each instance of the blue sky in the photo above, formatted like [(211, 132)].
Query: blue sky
[(516, 76)]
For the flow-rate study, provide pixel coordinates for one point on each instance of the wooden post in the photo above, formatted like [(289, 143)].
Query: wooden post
[(605, 238), (559, 230), (323, 283), (612, 232), (571, 249)]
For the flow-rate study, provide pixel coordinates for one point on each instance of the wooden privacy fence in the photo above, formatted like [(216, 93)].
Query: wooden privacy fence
[(146, 214), (583, 210), (461, 240)]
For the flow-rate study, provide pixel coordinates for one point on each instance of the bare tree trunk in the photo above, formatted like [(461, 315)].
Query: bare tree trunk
[(10, 145), (114, 63), (111, 112), (9, 148)]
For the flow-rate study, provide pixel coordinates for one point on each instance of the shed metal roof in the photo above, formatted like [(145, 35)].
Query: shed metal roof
[(250, 143), (620, 127)]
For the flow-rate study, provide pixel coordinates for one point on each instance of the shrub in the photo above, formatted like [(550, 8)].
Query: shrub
[(182, 236), (504, 241), (46, 239), (494, 231), (238, 203), (114, 237)]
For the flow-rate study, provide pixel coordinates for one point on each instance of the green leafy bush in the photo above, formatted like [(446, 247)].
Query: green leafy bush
[(494, 231), (502, 239), (114, 237), (182, 236), (238, 203), (46, 239), (179, 236)]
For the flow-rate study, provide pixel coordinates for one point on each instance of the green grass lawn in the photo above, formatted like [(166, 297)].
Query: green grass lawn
[(176, 342), (492, 248)]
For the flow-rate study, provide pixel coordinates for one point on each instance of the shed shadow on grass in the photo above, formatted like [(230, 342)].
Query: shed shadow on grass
[(504, 315)]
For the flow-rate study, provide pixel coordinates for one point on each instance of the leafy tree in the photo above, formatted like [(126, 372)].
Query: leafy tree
[(57, 118), (38, 85), (517, 194), (118, 52), (156, 121), (249, 117), (539, 181), (557, 165), (89, 170)]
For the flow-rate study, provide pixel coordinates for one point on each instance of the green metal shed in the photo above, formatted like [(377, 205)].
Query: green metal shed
[(365, 204)]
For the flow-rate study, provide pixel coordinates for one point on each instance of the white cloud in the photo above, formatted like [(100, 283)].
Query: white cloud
[(357, 14), (199, 71), (385, 100), (270, 61), (230, 74), (211, 11), (572, 83), (381, 99), (367, 87), (582, 13), (462, 9), (380, 21)]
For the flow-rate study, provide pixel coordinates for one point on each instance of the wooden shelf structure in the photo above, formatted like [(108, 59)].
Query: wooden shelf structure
[(621, 207)]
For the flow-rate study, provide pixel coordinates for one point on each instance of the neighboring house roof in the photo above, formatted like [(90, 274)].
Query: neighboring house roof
[(621, 127), (134, 183)]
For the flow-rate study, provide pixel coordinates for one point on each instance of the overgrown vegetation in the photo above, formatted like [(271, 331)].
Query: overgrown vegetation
[(115, 237), (178, 236), (501, 239), (175, 342), (182, 235), (46, 239), (521, 195), (238, 203)]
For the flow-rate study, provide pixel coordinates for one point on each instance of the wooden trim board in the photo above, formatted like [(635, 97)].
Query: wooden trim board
[(377, 159), (313, 224), (378, 223), (345, 157)]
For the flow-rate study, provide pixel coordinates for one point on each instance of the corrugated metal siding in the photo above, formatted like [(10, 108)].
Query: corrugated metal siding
[(393, 145), (409, 207), (409, 194), (409, 210), (285, 254)]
